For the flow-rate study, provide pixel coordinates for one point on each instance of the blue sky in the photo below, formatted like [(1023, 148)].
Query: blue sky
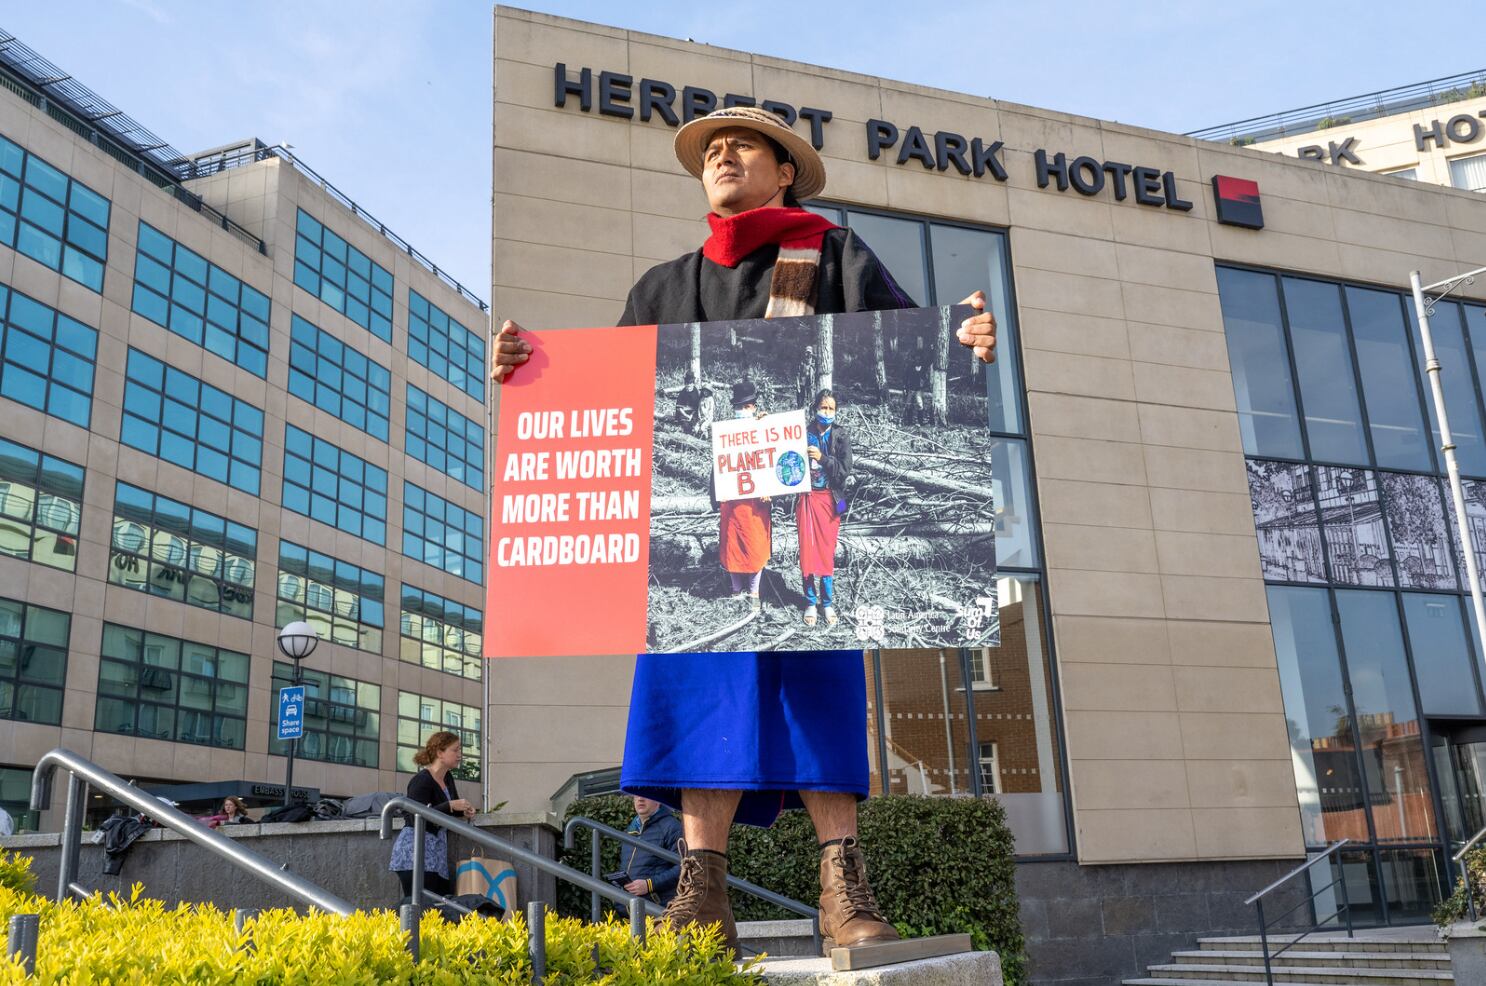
[(391, 100)]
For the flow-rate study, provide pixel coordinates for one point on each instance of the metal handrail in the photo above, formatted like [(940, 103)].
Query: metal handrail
[(1258, 901), (82, 772), (1465, 872), (763, 893), (422, 813)]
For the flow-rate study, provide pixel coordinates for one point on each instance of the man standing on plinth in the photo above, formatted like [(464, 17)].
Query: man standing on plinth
[(738, 737)]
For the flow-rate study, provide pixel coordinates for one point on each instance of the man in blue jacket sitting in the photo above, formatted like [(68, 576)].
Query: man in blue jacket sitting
[(649, 875)]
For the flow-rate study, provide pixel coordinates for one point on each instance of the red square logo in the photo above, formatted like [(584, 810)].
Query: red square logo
[(1238, 202)]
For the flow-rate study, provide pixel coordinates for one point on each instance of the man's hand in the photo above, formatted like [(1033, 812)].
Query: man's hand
[(814, 453), (638, 888), (978, 332), (508, 351)]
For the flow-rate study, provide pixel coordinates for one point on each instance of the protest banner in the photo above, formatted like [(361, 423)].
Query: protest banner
[(635, 508)]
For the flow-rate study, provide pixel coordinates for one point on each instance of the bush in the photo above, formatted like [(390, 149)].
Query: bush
[(1453, 909), (15, 872), (133, 940), (938, 865)]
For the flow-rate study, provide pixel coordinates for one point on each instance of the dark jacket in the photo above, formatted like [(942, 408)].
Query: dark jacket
[(425, 790), (119, 833), (835, 458), (694, 289), (662, 829)]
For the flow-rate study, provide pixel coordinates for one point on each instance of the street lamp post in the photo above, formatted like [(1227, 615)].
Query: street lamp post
[(296, 641), (1423, 308)]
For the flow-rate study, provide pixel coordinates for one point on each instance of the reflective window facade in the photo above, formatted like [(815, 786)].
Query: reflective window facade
[(420, 716), (33, 661), (342, 276), (197, 300), (333, 486), (445, 346), (339, 379), (442, 534), (170, 549), (441, 634), (15, 798), (51, 218), (1373, 630), (158, 687), (445, 439), (46, 358), (41, 506), (342, 717), (973, 722), (173, 415), (343, 602)]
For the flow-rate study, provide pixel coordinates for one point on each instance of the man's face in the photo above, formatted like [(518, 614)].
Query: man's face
[(644, 807), (740, 171)]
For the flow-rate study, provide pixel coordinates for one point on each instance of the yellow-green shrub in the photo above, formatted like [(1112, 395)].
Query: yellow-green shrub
[(117, 941)]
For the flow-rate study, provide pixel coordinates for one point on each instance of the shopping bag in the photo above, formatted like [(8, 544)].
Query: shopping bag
[(493, 879)]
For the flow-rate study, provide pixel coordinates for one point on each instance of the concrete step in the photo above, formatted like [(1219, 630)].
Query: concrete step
[(1355, 976), (1303, 955), (962, 969), (1166, 980), (792, 938), (1426, 941)]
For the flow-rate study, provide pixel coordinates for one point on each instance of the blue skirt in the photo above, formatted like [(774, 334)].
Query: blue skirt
[(769, 725)]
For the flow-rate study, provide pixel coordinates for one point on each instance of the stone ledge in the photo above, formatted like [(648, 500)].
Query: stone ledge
[(962, 969)]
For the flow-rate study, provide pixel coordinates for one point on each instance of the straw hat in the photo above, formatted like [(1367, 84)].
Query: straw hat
[(692, 140)]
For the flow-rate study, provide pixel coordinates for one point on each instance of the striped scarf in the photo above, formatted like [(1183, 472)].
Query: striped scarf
[(799, 234)]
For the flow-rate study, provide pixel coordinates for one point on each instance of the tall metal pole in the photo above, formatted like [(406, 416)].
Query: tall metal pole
[(293, 747), (1447, 446)]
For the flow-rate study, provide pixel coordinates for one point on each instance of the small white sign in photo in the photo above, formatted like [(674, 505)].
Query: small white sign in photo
[(754, 457)]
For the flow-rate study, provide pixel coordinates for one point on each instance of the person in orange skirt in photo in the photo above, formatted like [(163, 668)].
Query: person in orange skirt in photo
[(746, 532), (819, 511)]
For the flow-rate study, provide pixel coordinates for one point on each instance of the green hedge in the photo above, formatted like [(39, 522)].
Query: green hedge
[(130, 940), (1453, 909), (938, 865)]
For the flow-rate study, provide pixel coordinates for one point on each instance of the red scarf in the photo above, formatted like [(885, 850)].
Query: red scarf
[(735, 237)]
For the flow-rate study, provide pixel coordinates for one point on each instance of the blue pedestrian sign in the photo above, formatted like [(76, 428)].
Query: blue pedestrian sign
[(291, 713)]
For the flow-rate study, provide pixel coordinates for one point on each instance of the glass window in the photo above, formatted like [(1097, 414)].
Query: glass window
[(1442, 657), (41, 500), (46, 358), (343, 277), (15, 798), (338, 378), (1352, 517), (1285, 520), (1016, 514), (1459, 385), (1260, 363), (445, 439), (342, 718), (1469, 173), (53, 219), (33, 661), (200, 301), (1412, 174), (201, 428), (970, 260), (1416, 524), (445, 346), (334, 487), (1323, 364), (442, 534), (343, 602), (899, 244), (1389, 385), (420, 716), (145, 689), (441, 634), (170, 549), (1323, 748), (1393, 760)]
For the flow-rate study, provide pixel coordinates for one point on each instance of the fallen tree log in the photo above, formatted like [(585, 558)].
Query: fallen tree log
[(685, 550)]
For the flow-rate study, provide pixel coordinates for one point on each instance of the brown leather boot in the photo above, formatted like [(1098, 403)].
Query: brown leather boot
[(849, 914), (702, 894)]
